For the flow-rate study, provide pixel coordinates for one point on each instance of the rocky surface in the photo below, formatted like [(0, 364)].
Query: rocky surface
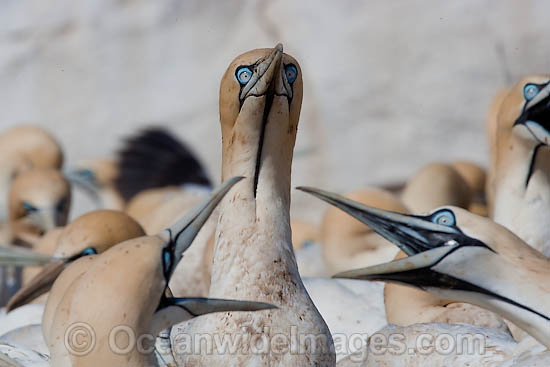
[(388, 85)]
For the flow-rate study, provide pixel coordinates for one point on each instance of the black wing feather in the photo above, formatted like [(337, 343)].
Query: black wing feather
[(155, 158)]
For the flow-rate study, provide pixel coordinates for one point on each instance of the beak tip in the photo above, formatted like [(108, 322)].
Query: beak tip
[(279, 47)]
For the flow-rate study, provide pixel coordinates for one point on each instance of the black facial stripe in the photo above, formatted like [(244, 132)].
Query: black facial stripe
[(274, 94), (532, 164), (432, 238), (270, 96), (426, 278)]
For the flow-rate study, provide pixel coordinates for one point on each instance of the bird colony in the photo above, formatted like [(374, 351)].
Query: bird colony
[(175, 268)]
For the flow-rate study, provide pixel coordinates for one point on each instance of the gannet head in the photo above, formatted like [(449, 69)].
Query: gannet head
[(93, 175), (457, 255), (89, 234), (260, 102), (39, 200), (526, 110)]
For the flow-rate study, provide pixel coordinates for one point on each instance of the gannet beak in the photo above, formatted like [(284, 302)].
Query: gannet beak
[(20, 256), (180, 235), (83, 178), (264, 73), (536, 116), (39, 285), (175, 310), (410, 270), (411, 233)]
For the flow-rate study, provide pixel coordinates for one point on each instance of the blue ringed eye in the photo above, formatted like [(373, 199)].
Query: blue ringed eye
[(291, 73), (29, 208), (89, 251), (244, 75), (444, 218), (530, 91)]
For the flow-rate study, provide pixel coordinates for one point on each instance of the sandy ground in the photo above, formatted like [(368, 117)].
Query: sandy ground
[(388, 85)]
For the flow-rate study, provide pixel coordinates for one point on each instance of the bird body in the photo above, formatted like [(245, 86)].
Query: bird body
[(260, 101)]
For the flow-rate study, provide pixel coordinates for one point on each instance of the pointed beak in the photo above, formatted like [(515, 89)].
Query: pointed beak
[(264, 73), (39, 285), (412, 234), (182, 233), (20, 256), (410, 270), (84, 180)]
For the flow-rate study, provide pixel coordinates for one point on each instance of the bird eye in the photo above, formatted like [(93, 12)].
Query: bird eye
[(89, 251), (530, 91), (444, 217), (244, 74), (29, 208), (291, 73)]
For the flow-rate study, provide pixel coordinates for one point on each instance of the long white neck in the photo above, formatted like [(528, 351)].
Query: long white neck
[(253, 256), (521, 204)]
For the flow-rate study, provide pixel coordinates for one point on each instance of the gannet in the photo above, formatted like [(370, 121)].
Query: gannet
[(39, 200), (457, 255), (521, 172), (260, 102), (125, 287), (91, 233), (22, 148)]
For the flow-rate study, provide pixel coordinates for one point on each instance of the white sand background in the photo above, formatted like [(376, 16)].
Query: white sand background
[(389, 85)]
